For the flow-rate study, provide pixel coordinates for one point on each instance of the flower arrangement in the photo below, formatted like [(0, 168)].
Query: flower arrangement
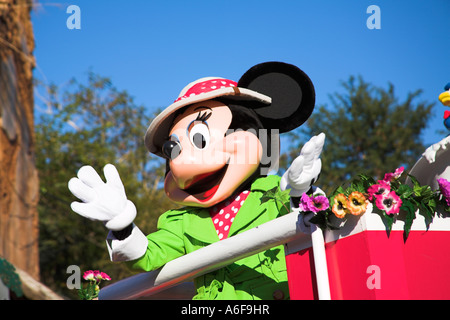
[(388, 197), (94, 277)]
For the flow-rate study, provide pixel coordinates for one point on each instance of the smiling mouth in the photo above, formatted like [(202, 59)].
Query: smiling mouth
[(208, 185)]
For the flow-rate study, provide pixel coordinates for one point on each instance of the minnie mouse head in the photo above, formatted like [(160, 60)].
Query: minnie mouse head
[(218, 135)]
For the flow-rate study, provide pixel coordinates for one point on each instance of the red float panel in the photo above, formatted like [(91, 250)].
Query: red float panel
[(364, 263)]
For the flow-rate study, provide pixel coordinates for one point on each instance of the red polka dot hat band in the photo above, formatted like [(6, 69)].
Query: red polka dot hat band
[(206, 86), (223, 214)]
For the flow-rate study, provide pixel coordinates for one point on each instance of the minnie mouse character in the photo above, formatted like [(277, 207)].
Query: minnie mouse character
[(220, 139)]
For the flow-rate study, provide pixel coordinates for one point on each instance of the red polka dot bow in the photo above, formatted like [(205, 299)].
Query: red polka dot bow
[(223, 214)]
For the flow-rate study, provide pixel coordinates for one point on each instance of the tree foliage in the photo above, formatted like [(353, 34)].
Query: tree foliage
[(368, 130), (92, 124)]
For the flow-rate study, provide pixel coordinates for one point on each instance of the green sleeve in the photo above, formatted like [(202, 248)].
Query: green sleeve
[(165, 244)]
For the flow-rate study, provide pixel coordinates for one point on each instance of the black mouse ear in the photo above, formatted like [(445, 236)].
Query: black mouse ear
[(291, 90)]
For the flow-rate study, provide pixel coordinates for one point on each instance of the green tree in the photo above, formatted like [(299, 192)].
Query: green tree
[(368, 130), (92, 124)]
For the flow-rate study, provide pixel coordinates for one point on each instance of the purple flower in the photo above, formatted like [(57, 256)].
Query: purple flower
[(444, 186), (313, 203)]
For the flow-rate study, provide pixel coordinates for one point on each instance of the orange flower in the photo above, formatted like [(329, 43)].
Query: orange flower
[(357, 203), (340, 205)]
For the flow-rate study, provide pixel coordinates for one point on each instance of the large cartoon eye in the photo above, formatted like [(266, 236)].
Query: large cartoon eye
[(199, 134), (172, 148)]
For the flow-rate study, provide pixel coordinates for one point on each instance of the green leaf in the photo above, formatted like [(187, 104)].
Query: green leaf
[(339, 190), (82, 294), (418, 190), (283, 196), (414, 180), (404, 191), (410, 210), (366, 179), (276, 194), (269, 195), (389, 221), (356, 185), (432, 204), (427, 213)]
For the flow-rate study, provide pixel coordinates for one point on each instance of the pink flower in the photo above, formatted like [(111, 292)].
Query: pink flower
[(389, 202), (444, 186), (99, 276), (305, 202), (104, 276), (89, 275), (388, 177), (381, 188), (313, 203), (95, 275)]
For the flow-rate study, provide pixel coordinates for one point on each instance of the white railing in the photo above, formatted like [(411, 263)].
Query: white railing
[(217, 255)]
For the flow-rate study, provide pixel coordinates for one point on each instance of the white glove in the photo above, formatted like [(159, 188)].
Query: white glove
[(305, 169), (105, 202)]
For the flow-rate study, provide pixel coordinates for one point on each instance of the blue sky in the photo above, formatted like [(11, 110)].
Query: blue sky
[(153, 48)]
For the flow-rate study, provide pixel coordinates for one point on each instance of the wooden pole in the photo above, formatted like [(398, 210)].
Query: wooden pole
[(19, 185)]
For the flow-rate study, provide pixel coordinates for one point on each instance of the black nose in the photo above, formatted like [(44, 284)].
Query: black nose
[(171, 149)]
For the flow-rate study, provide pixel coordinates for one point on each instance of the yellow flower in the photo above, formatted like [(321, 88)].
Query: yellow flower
[(357, 203), (340, 205)]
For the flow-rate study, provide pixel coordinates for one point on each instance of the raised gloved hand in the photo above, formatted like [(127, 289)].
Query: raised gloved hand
[(305, 169), (106, 202)]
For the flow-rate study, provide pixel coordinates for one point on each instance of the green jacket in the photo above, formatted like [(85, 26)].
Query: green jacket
[(181, 231)]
